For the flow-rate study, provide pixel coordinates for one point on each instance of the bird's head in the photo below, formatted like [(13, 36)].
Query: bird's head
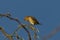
[(26, 18)]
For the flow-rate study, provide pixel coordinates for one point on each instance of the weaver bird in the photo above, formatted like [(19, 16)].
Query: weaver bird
[(32, 20)]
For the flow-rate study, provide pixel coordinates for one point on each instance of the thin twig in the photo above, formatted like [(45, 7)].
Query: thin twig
[(52, 33)]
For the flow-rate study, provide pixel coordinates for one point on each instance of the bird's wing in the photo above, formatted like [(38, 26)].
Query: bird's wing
[(35, 20)]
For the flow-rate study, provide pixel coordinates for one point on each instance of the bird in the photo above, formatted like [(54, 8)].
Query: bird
[(32, 20)]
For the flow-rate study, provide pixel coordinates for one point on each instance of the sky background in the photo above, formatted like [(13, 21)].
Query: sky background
[(46, 11)]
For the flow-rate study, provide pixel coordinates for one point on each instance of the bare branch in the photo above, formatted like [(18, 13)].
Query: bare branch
[(5, 34), (52, 33), (15, 19), (19, 37)]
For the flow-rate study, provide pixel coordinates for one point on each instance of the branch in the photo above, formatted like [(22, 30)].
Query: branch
[(52, 33), (15, 19), (19, 37), (7, 35)]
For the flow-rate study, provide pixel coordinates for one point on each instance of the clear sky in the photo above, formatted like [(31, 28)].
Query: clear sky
[(46, 11)]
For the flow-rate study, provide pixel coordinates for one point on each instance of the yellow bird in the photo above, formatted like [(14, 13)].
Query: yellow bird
[(32, 20)]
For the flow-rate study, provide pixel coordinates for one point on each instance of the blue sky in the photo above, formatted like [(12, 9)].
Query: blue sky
[(46, 11)]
